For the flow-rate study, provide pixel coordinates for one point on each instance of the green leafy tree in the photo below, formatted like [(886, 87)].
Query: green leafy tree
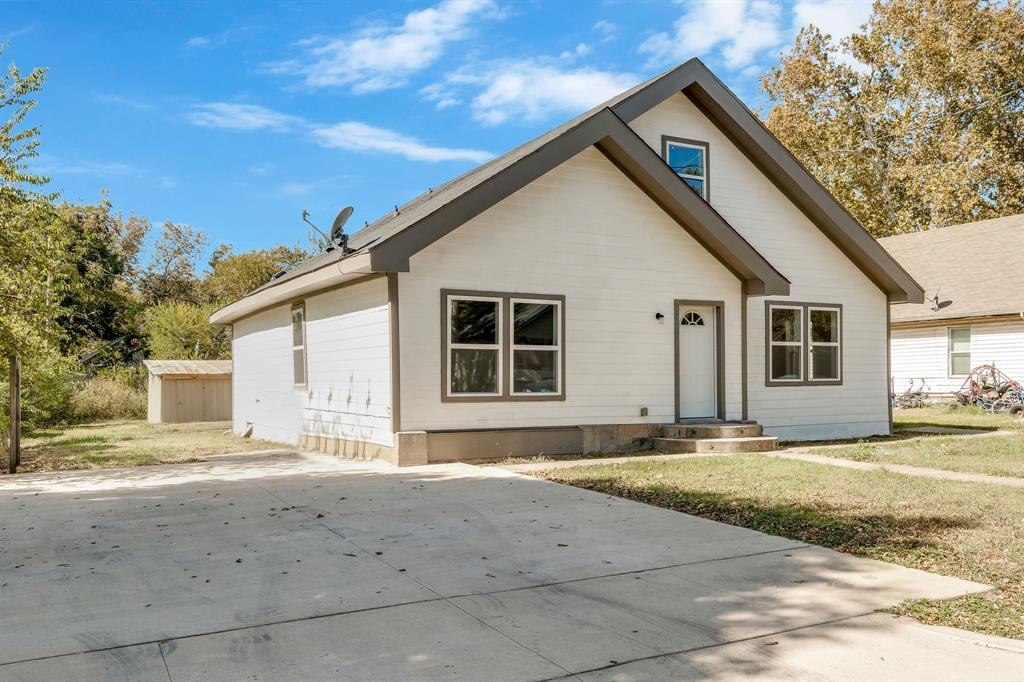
[(34, 272), (105, 253), (233, 275), (171, 273), (179, 330), (916, 120)]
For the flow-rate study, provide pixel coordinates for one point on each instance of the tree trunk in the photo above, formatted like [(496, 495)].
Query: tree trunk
[(14, 459)]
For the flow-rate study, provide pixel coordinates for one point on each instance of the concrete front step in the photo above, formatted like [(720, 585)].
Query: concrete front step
[(712, 430), (723, 445)]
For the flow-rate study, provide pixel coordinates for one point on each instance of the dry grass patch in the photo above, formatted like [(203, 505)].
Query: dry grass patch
[(105, 445), (968, 530)]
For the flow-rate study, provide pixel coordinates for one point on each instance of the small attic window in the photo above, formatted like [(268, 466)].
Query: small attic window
[(689, 160)]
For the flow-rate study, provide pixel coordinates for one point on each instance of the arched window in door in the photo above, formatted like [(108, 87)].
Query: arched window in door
[(692, 319)]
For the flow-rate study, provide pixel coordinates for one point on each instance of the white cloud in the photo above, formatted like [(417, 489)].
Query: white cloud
[(360, 137), (249, 117), (168, 183), (262, 168), (839, 18), (606, 29), (297, 189), (99, 169), (120, 100), (529, 89), (382, 57), (739, 29), (217, 39)]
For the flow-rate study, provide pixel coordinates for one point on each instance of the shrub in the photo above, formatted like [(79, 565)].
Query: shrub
[(115, 393)]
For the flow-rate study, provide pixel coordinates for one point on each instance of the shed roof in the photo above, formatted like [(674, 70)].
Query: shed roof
[(189, 367), (976, 268)]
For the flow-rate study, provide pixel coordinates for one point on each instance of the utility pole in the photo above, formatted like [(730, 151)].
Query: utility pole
[(15, 453)]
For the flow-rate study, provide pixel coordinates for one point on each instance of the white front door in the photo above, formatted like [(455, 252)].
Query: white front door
[(698, 374)]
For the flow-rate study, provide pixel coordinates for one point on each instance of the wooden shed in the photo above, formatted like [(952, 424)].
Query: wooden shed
[(189, 391)]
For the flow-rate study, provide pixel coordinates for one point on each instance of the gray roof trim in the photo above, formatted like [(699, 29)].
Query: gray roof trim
[(778, 163), (393, 238), (638, 161)]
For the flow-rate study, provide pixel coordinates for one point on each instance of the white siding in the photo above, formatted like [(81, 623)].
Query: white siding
[(585, 231), (819, 272), (348, 394), (921, 355)]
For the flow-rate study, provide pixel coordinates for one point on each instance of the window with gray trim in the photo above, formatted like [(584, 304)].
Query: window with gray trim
[(299, 344), (500, 346), (474, 345), (536, 346), (803, 343), (689, 160), (959, 351)]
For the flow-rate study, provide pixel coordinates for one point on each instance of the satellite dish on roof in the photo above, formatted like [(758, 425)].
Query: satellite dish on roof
[(338, 237), (338, 227)]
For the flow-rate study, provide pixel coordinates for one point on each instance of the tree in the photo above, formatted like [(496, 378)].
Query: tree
[(105, 252), (233, 275), (171, 273), (916, 120), (33, 269), (181, 331)]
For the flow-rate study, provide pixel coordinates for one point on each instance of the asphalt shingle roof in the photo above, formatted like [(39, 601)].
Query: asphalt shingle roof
[(978, 269)]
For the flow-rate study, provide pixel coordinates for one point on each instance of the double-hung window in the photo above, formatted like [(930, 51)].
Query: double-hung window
[(474, 345), (804, 344), (823, 352), (536, 350), (785, 342), (689, 160), (502, 346), (959, 351), (299, 344)]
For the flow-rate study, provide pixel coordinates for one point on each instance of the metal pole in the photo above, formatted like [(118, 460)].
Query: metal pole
[(15, 455)]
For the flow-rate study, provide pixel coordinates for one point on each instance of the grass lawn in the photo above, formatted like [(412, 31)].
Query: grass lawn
[(1001, 455), (105, 445), (969, 530)]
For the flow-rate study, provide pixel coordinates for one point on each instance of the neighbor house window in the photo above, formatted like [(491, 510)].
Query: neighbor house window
[(785, 343), (502, 346), (299, 344), (960, 352), (474, 346), (804, 343), (535, 346), (689, 159)]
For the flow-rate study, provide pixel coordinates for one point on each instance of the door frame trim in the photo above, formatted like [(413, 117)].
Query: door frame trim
[(719, 307)]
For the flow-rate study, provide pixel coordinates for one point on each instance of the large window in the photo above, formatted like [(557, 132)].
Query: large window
[(959, 351), (786, 343), (502, 346), (299, 344), (824, 343), (474, 343), (804, 344), (689, 159)]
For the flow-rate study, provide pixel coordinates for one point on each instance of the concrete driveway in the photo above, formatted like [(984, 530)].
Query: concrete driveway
[(299, 566)]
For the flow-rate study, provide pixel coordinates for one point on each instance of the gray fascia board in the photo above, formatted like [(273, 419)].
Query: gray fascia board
[(692, 212), (778, 163)]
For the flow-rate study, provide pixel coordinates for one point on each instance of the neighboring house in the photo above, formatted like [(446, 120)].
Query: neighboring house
[(661, 257), (974, 275)]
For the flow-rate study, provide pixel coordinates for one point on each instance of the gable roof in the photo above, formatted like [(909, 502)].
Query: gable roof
[(975, 268), (387, 244)]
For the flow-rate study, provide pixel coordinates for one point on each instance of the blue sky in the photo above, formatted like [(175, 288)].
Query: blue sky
[(232, 117)]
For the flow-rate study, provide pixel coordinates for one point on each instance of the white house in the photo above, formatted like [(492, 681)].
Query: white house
[(660, 258), (974, 275)]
